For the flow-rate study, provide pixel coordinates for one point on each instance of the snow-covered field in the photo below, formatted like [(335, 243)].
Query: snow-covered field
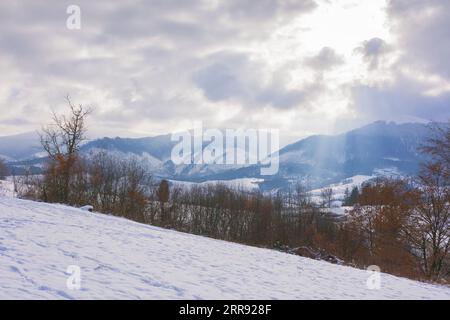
[(248, 184), (121, 259)]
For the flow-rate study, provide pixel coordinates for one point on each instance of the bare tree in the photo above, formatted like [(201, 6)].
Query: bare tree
[(430, 223), (61, 140), (163, 194), (438, 147), (327, 197), (301, 195), (63, 137), (429, 230)]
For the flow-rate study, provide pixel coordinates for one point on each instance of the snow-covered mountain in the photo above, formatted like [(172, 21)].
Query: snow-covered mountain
[(121, 259), (379, 148), (155, 154), (20, 147)]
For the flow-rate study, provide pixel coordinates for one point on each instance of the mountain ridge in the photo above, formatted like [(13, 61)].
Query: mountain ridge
[(318, 159)]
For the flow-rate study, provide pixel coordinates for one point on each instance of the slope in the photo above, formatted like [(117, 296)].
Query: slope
[(121, 259)]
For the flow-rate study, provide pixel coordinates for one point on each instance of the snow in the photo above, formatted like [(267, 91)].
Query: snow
[(340, 211), (5, 157), (121, 259), (87, 208), (390, 172), (147, 161), (348, 184), (339, 189), (248, 184), (7, 188)]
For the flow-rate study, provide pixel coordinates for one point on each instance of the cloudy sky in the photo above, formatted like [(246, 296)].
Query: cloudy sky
[(152, 67)]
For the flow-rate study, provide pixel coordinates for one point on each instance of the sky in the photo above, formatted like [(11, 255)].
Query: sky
[(153, 67)]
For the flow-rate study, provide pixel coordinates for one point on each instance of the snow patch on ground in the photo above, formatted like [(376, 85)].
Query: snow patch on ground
[(249, 184), (7, 188), (339, 189)]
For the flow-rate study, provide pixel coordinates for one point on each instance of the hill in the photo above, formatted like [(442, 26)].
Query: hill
[(121, 259)]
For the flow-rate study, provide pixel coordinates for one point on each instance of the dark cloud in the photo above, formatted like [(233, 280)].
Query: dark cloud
[(404, 99), (373, 51), (232, 76), (327, 58), (136, 60), (423, 32)]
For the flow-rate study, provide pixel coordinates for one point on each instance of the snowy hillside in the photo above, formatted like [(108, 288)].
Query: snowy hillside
[(248, 184), (122, 259), (340, 188)]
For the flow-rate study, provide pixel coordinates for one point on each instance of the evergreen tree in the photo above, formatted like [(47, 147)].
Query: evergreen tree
[(352, 199)]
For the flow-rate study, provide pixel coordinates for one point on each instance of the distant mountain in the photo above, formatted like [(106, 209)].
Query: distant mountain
[(158, 147), (20, 147), (379, 148), (155, 154)]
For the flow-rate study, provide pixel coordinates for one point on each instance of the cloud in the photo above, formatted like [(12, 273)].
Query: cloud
[(155, 66), (418, 72), (325, 59), (14, 121), (423, 32), (136, 61), (234, 77), (373, 51), (403, 99)]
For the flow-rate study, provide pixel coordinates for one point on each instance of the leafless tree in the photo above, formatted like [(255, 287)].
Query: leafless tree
[(438, 147), (429, 229), (3, 170), (163, 194), (63, 137), (61, 140), (327, 197)]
